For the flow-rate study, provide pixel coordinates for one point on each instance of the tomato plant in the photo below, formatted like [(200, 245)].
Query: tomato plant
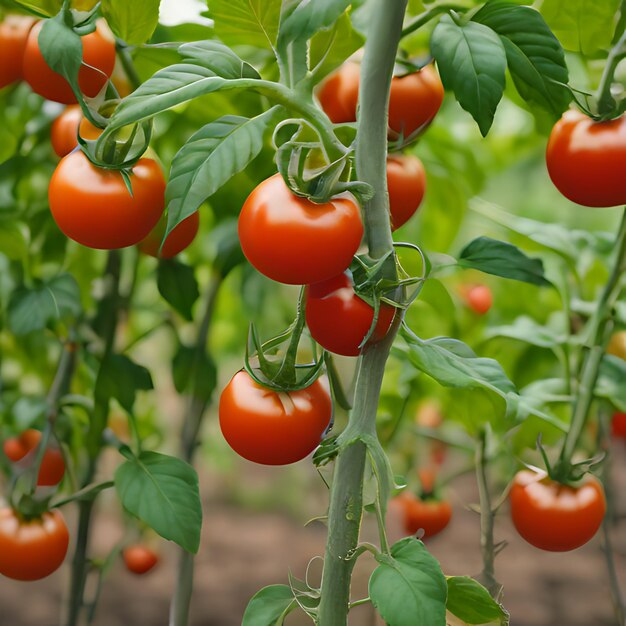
[(14, 31), (64, 130), (52, 466), (428, 515), (406, 180), (177, 241), (140, 559)]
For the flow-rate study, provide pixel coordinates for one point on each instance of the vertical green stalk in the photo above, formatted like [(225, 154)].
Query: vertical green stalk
[(181, 600), (346, 497)]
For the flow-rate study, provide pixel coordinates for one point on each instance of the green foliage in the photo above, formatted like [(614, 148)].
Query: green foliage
[(133, 22), (121, 378), (269, 606), (178, 286), (309, 17), (471, 602), (162, 491)]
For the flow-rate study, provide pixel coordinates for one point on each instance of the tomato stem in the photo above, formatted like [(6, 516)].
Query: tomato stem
[(427, 16), (601, 326), (606, 103)]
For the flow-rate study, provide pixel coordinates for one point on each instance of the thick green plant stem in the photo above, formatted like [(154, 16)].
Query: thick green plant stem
[(346, 498), (181, 600), (601, 328), (606, 103)]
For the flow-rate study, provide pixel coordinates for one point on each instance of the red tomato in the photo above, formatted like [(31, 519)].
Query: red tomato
[(31, 549), (339, 94), (295, 241), (585, 159), (140, 559), (406, 182), (93, 207), (414, 99), (65, 128), (339, 320), (556, 517), (273, 428), (179, 239), (430, 515), (52, 466), (98, 63), (14, 31), (478, 298), (618, 425)]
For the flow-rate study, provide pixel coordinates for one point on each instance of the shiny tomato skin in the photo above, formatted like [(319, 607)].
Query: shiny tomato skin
[(478, 298), (430, 515), (139, 559), (618, 425), (339, 94), (64, 130), (177, 241), (93, 207), (98, 53), (34, 549), (585, 159), (295, 241), (14, 31), (406, 182), (52, 468), (339, 320), (556, 517), (414, 100), (273, 428)]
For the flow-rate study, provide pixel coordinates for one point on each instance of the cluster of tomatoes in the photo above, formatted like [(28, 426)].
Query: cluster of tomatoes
[(295, 241)]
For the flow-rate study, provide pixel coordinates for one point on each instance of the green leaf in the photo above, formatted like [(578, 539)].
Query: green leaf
[(194, 372), (528, 330), (471, 602), (310, 17), (472, 63), (178, 286), (134, 21), (13, 240), (535, 57), (268, 606), (27, 410), (61, 48), (611, 381), (408, 587), (581, 25), (454, 364), (502, 259), (32, 309), (120, 378), (331, 47), (209, 159), (246, 22), (219, 58), (162, 491)]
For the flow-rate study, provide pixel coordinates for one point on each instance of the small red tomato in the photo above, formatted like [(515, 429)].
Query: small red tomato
[(430, 515), (478, 298), (64, 130), (14, 31), (556, 517), (339, 94), (406, 182), (273, 428), (52, 468), (31, 549), (339, 320), (618, 426), (295, 241), (140, 559), (93, 206), (97, 67), (179, 239), (585, 159)]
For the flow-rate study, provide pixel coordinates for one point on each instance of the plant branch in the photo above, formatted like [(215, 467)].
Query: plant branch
[(606, 104), (427, 16)]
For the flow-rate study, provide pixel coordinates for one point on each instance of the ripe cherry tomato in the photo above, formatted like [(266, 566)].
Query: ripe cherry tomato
[(339, 320), (617, 345), (98, 62), (273, 428), (556, 517), (65, 128), (414, 99), (93, 207), (430, 515), (295, 241), (140, 559), (31, 549), (406, 181), (52, 466), (179, 239), (618, 425), (14, 31), (585, 158), (478, 298)]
